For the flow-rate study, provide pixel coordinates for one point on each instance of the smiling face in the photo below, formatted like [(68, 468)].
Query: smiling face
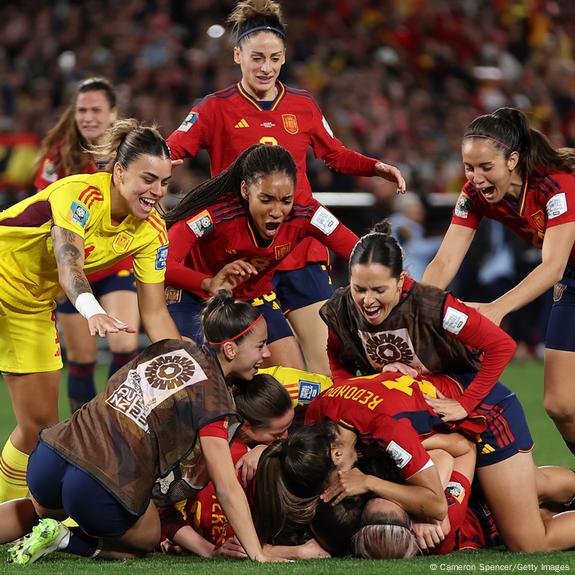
[(246, 357), (138, 188), (488, 169), (275, 428), (93, 114), (374, 290), (260, 58), (270, 200)]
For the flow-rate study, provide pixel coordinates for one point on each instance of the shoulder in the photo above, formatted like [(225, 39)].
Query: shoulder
[(227, 211), (216, 98), (551, 183)]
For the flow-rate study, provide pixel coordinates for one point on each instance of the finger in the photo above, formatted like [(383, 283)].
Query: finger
[(176, 163)]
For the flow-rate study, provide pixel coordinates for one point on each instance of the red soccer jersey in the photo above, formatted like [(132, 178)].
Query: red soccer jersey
[(390, 409), (229, 121), (201, 245), (546, 200)]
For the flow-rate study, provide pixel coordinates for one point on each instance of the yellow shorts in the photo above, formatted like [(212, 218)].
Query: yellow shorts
[(29, 341)]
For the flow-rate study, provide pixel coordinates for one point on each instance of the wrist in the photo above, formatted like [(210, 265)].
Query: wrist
[(88, 306)]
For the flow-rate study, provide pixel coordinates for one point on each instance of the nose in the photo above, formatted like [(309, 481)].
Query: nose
[(266, 66), (276, 211), (368, 299), (265, 352), (283, 435)]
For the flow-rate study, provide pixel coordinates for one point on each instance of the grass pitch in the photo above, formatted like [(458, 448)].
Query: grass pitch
[(525, 379)]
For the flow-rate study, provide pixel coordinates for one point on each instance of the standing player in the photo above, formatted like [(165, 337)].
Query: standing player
[(64, 152), (80, 224), (233, 230), (260, 108), (516, 177)]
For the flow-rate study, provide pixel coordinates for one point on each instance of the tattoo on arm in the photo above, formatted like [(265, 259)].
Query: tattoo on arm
[(69, 252)]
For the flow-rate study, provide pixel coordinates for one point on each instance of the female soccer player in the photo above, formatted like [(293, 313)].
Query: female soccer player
[(49, 241), (384, 318), (64, 152), (260, 108), (159, 430), (234, 230), (516, 177)]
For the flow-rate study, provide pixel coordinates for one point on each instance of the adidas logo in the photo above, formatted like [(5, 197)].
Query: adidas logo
[(242, 124)]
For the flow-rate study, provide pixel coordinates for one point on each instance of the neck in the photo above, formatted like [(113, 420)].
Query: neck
[(268, 95), (515, 186), (118, 210)]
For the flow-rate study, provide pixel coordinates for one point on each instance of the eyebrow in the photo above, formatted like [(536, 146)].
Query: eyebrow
[(256, 53), (152, 175)]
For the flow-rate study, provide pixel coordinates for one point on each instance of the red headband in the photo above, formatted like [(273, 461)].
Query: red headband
[(239, 334)]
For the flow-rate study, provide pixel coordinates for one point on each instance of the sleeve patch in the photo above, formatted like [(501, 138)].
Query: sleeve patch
[(190, 120), (161, 258), (326, 126), (78, 214), (50, 171), (324, 221), (556, 206), (400, 456), (454, 320), (201, 224), (308, 390), (462, 206)]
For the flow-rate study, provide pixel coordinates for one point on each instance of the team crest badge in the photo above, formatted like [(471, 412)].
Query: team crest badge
[(201, 224), (558, 290), (122, 242), (282, 251), (538, 220), (50, 172), (462, 206), (290, 123), (78, 214), (190, 120)]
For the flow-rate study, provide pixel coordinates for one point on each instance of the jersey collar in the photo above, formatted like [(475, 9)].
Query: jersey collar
[(279, 97)]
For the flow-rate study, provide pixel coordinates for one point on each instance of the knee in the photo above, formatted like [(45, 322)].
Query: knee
[(530, 546), (558, 410)]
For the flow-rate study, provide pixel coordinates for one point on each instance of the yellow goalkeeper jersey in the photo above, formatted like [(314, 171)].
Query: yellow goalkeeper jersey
[(80, 204)]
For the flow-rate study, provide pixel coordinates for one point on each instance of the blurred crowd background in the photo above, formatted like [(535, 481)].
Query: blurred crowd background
[(397, 80)]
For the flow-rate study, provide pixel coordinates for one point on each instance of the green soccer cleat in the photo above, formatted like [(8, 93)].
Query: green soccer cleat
[(45, 538)]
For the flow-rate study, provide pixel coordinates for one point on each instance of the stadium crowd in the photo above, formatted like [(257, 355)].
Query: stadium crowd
[(410, 443)]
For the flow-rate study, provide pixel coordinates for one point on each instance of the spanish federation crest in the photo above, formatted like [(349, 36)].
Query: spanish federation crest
[(290, 123), (122, 242)]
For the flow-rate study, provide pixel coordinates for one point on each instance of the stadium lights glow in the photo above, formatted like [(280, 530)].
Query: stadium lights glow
[(216, 31)]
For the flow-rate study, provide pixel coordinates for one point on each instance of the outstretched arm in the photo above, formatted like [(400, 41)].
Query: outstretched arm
[(69, 253)]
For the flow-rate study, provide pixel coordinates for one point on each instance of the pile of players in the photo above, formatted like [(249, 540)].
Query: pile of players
[(413, 443)]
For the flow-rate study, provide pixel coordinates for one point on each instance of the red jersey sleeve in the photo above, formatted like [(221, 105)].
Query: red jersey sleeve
[(476, 331), (331, 150), (466, 212), (560, 206), (338, 371), (178, 274), (402, 443), (188, 139), (326, 228), (218, 428)]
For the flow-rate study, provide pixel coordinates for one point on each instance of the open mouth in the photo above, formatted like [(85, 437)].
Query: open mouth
[(489, 192), (147, 204), (272, 228), (371, 313)]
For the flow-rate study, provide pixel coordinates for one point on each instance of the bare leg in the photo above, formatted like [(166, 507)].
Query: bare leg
[(559, 399), (311, 332), (510, 488), (285, 352), (124, 306), (555, 484), (17, 517)]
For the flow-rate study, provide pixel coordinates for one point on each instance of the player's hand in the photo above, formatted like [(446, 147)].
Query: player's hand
[(447, 409), (312, 550), (176, 163), (401, 368), (347, 483), (230, 276), (102, 324), (392, 174), (230, 548), (428, 535), (247, 465), (490, 310), (168, 547)]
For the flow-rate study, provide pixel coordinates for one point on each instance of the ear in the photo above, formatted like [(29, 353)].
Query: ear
[(244, 190), (230, 350), (336, 453), (513, 160), (237, 55), (401, 281), (113, 115), (118, 172)]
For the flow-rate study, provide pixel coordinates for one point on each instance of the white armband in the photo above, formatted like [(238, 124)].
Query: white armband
[(87, 305)]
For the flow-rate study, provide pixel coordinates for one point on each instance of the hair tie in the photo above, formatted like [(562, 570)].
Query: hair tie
[(239, 334), (259, 29)]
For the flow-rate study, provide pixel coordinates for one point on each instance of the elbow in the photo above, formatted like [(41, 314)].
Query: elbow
[(439, 508)]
